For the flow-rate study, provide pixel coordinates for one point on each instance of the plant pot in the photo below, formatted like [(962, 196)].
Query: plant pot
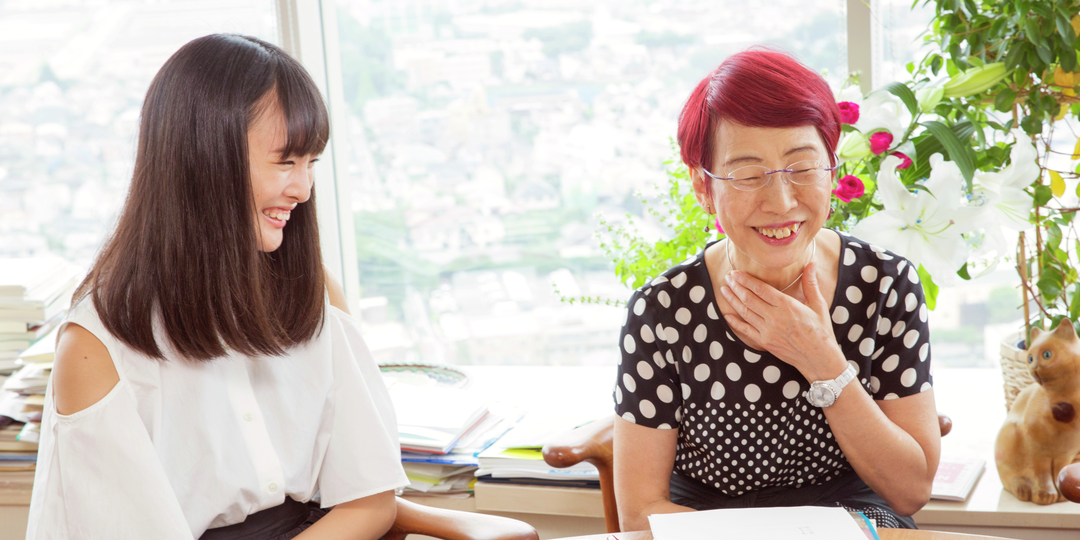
[(1014, 367)]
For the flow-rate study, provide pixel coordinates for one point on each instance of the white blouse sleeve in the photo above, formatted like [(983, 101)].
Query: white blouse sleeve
[(363, 457), (98, 476)]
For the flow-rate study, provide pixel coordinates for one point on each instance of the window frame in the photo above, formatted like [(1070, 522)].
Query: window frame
[(308, 30)]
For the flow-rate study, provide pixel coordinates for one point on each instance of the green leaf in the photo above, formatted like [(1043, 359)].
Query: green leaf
[(975, 61), (1074, 304), (906, 95), (1004, 99), (956, 150), (1068, 58), (1064, 28), (927, 146), (951, 69), (1031, 30), (930, 289), (1050, 283), (1014, 56), (1045, 54), (1043, 195), (963, 272)]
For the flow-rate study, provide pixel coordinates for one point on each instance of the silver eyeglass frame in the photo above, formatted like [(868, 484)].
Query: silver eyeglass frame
[(768, 177)]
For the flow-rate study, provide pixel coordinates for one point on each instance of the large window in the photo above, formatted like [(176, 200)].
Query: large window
[(479, 140), (484, 136), (73, 75)]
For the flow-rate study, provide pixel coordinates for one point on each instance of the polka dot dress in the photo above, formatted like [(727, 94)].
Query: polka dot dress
[(743, 421)]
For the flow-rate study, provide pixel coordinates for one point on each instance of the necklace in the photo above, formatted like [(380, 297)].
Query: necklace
[(813, 246)]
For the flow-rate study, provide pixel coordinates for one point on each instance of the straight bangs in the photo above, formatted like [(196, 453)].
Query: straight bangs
[(306, 120)]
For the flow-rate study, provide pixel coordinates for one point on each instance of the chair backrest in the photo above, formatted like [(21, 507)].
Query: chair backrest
[(593, 443)]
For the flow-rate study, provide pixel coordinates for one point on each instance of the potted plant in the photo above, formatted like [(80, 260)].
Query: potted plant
[(938, 168)]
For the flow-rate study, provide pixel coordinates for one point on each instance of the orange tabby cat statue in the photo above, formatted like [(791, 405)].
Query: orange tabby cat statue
[(1041, 432)]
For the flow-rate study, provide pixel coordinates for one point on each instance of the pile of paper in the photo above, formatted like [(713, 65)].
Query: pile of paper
[(34, 296), (433, 418), (517, 458), (22, 399), (783, 523), (453, 473)]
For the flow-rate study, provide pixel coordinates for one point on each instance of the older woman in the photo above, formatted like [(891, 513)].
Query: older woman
[(786, 364)]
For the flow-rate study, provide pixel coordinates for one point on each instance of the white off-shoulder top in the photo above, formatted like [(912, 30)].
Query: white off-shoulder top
[(178, 447)]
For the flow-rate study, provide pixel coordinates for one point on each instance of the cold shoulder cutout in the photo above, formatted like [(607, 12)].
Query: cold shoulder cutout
[(83, 371)]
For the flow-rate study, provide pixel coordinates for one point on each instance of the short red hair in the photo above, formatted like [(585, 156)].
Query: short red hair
[(757, 88)]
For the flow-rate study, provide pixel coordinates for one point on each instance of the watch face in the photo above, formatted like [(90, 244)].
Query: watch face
[(820, 395)]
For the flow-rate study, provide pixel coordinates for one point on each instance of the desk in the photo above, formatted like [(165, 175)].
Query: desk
[(971, 397), (885, 534)]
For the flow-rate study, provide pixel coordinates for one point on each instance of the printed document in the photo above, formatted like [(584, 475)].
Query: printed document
[(784, 523)]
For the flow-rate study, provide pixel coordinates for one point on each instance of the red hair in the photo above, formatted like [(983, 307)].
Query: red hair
[(757, 88)]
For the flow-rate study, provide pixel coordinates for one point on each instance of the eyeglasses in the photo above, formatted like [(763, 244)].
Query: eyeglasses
[(754, 177)]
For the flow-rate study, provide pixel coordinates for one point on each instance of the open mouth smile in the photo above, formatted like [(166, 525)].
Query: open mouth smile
[(779, 233)]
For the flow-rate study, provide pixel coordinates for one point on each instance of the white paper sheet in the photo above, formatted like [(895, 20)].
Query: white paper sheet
[(786, 523)]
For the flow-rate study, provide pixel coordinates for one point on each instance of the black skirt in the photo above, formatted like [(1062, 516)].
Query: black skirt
[(282, 522), (847, 491)]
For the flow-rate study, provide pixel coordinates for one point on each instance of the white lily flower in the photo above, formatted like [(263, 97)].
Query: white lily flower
[(926, 227), (1002, 195), (883, 111), (878, 111), (1013, 209)]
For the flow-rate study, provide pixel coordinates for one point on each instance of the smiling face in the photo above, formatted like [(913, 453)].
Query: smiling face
[(278, 182), (772, 226)]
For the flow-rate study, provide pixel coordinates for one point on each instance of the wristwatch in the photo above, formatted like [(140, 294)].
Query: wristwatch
[(824, 393)]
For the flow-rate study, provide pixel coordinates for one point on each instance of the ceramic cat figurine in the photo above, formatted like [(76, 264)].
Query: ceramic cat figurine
[(1042, 432)]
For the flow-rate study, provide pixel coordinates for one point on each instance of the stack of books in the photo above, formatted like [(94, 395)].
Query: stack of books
[(34, 296), (22, 399), (516, 458), (453, 474), (442, 429)]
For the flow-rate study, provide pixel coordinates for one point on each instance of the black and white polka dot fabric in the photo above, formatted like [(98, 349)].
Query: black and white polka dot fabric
[(743, 421)]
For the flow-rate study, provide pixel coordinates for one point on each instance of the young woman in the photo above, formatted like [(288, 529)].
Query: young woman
[(787, 364), (206, 384)]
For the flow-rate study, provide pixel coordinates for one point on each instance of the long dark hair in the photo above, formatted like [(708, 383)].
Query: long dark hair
[(185, 251)]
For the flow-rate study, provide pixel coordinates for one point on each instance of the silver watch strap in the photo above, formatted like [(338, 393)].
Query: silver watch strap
[(840, 382)]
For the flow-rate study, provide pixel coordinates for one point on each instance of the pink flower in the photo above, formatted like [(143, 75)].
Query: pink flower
[(905, 161), (880, 141), (719, 229), (849, 112), (849, 188)]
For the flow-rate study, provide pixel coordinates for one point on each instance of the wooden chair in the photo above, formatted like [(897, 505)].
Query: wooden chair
[(592, 443), (415, 518)]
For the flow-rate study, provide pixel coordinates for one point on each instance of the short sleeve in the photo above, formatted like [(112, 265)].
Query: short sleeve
[(903, 367), (99, 476), (363, 457), (647, 391)]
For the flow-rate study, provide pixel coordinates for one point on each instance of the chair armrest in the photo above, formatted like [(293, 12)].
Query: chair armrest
[(1069, 482), (945, 423), (591, 443), (415, 518)]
